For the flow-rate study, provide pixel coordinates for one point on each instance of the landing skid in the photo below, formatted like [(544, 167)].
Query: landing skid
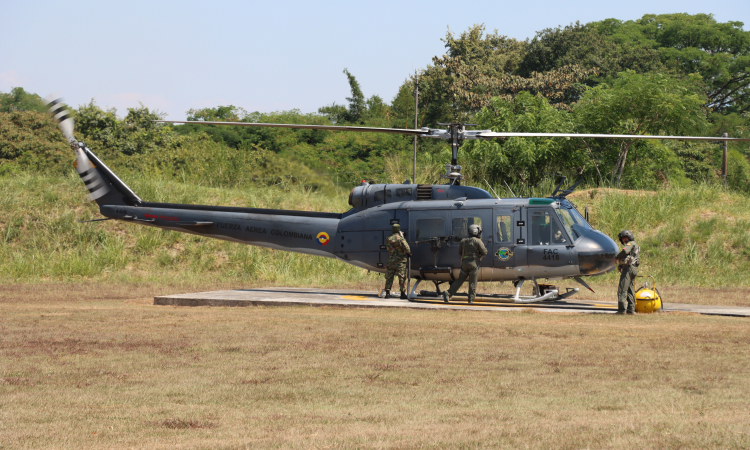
[(552, 295)]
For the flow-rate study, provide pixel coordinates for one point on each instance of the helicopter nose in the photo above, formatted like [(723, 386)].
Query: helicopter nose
[(596, 252)]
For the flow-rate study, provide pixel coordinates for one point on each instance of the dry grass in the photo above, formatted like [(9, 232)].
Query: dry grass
[(97, 366)]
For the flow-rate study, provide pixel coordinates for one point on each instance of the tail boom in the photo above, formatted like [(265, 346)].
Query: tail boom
[(311, 234)]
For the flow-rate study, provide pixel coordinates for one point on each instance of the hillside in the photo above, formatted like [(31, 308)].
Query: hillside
[(690, 237), (695, 236)]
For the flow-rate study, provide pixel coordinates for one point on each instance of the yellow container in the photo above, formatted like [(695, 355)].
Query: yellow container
[(647, 300)]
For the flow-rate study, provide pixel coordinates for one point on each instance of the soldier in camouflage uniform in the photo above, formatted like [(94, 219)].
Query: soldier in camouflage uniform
[(398, 251), (628, 261), (472, 250)]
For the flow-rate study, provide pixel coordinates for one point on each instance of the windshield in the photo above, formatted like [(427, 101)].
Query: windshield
[(569, 218)]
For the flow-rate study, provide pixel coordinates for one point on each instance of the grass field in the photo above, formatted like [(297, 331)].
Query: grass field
[(97, 366), (690, 237), (86, 361)]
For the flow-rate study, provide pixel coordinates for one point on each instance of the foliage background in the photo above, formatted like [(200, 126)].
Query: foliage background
[(661, 74)]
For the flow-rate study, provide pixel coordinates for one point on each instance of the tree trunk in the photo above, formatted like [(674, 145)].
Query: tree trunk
[(622, 164), (601, 180)]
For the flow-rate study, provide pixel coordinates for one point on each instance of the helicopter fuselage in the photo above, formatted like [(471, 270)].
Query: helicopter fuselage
[(527, 238)]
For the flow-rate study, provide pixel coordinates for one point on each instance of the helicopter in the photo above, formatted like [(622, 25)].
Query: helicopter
[(528, 239)]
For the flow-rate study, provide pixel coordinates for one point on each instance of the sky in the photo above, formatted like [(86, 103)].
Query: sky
[(264, 56)]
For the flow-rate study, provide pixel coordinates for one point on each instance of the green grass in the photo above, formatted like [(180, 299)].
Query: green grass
[(40, 239), (694, 236)]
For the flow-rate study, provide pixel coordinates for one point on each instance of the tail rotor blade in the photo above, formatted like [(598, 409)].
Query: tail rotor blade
[(62, 116), (86, 170)]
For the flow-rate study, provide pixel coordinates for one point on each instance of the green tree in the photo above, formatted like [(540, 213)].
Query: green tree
[(525, 160), (134, 134), (373, 110), (229, 113), (479, 67), (31, 140), (641, 104), (357, 106), (687, 44), (20, 100), (591, 46)]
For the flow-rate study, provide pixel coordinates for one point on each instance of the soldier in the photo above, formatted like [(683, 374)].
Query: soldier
[(472, 250), (628, 261), (398, 250)]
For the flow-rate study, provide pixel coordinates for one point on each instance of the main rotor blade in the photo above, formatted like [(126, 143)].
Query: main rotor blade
[(493, 135), (309, 127)]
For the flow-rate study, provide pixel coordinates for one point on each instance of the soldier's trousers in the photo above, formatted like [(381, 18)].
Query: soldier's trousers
[(396, 270), (469, 270), (626, 289)]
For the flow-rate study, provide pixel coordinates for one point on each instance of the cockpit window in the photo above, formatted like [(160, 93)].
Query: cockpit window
[(570, 217), (545, 230)]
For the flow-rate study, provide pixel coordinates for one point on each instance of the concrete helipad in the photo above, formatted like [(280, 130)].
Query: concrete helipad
[(282, 296)]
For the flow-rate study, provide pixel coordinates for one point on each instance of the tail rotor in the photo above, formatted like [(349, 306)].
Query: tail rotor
[(86, 170)]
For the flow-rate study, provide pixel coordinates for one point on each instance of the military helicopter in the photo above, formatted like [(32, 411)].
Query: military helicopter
[(528, 239)]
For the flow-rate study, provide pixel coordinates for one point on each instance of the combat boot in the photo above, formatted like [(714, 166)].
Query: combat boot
[(446, 297), (471, 300), (387, 293), (403, 295)]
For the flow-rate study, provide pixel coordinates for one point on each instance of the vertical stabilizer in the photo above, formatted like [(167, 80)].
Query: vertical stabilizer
[(103, 185)]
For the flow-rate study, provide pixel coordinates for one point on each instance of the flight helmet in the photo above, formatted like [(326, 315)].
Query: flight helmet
[(475, 230), (627, 234), (396, 228)]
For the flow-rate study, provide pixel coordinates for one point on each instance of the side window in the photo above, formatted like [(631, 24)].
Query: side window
[(429, 228), (460, 227), (544, 230), (377, 197), (403, 192), (504, 229)]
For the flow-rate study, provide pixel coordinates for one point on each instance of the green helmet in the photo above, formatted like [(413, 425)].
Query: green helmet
[(475, 230), (396, 228), (625, 234)]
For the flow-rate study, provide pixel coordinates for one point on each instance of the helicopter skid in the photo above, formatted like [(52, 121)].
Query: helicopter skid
[(552, 295)]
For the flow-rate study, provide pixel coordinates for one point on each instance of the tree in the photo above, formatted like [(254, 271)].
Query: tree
[(526, 159), (20, 100), (479, 67), (229, 113), (591, 46), (686, 44), (136, 133), (360, 109), (642, 104), (357, 106)]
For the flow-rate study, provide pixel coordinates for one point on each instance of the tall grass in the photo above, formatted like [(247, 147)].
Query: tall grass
[(695, 236), (41, 240)]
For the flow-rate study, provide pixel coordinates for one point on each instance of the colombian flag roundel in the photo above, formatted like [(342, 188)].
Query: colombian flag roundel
[(322, 238)]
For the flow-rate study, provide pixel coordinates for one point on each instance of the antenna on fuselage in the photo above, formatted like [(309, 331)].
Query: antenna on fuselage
[(511, 190), (493, 191)]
